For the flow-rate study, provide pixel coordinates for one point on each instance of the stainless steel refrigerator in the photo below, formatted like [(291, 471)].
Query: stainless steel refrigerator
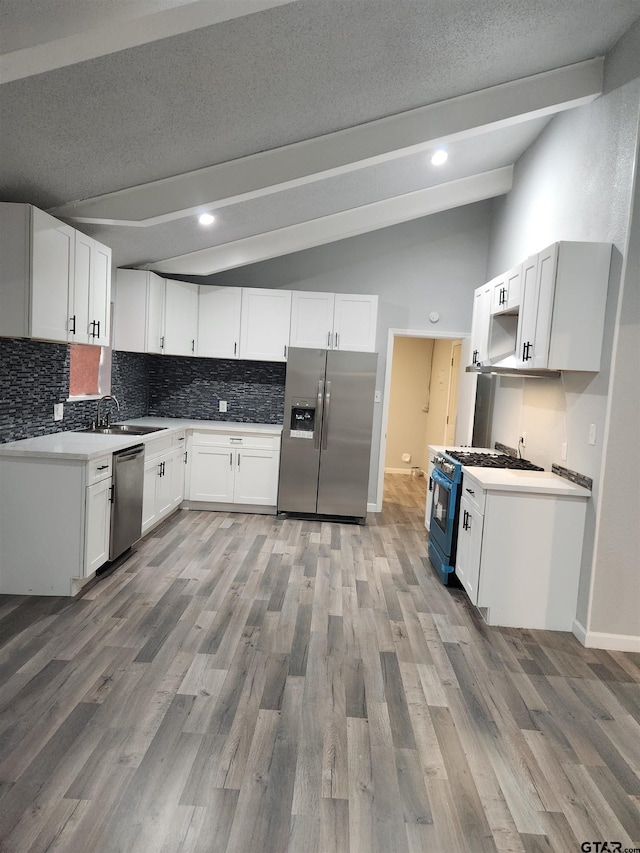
[(326, 436)]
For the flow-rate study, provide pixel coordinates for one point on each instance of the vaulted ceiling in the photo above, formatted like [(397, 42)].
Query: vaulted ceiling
[(294, 123)]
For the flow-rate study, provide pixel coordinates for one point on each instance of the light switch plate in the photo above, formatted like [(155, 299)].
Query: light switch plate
[(222, 405), (58, 411)]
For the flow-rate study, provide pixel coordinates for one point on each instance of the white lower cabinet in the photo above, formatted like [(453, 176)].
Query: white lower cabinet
[(54, 523), (519, 553), (163, 488), (97, 525), (232, 469)]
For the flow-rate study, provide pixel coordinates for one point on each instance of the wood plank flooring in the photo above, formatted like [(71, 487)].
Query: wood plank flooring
[(246, 684)]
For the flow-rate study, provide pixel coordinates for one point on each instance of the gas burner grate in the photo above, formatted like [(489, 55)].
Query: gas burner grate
[(492, 460)]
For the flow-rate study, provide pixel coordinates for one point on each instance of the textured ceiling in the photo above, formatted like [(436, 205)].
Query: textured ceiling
[(266, 80)]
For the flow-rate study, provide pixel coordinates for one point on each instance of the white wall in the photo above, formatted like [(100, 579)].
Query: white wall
[(575, 183), (429, 264)]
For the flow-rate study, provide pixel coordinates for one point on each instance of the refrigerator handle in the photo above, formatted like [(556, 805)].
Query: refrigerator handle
[(325, 416), (316, 434)]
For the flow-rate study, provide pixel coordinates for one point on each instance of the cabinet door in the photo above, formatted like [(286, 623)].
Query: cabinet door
[(534, 322), (164, 500), (311, 320), (97, 521), (180, 318), (52, 265), (211, 474), (480, 324), (219, 321), (129, 329), (155, 314), (176, 473), (462, 544), (79, 329), (354, 322), (256, 477), (474, 535), (100, 296), (266, 321), (151, 478)]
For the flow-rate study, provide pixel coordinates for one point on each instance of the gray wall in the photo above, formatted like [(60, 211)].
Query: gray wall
[(575, 183), (429, 264)]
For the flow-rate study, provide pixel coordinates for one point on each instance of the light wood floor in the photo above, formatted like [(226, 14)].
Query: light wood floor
[(249, 684)]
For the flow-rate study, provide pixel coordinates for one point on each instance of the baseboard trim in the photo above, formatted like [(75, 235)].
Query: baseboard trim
[(372, 508), (397, 470), (610, 642)]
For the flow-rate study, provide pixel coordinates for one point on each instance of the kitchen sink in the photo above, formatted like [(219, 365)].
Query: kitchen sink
[(122, 429)]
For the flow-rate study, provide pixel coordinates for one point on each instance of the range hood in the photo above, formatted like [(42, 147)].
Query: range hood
[(504, 369)]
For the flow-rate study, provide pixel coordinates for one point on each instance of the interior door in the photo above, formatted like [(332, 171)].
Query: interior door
[(452, 402), (346, 433)]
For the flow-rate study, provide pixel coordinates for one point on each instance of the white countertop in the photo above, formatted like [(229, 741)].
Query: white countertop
[(85, 446), (509, 480)]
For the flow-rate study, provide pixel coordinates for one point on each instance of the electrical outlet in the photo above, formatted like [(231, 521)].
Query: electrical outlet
[(378, 397), (222, 405), (58, 411), (592, 433), (563, 451)]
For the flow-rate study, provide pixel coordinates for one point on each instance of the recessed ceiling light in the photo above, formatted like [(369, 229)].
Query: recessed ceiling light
[(439, 157), (206, 219)]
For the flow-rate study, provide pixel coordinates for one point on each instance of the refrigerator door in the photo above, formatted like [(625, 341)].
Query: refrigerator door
[(301, 433), (346, 433)]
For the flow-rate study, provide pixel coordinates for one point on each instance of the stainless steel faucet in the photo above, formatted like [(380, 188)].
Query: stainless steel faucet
[(104, 421)]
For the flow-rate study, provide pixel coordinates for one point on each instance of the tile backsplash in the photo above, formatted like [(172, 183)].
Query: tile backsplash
[(193, 387), (34, 375)]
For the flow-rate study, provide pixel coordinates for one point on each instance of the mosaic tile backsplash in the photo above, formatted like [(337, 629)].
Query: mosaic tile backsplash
[(193, 387), (34, 375)]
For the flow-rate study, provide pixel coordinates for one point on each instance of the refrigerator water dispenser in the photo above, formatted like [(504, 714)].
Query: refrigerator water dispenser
[(303, 420)]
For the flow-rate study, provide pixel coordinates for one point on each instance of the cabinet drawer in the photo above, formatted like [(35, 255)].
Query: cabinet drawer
[(474, 493), (99, 469), (179, 439), (236, 440)]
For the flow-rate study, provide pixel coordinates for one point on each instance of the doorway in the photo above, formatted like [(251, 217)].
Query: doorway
[(420, 401)]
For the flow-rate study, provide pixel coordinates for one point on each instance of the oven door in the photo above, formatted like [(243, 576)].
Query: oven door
[(443, 512)]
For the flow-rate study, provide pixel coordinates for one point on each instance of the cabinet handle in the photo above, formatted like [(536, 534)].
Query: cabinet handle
[(72, 325), (230, 460), (186, 453), (328, 340), (193, 344), (160, 464), (238, 461), (474, 357), (162, 342), (181, 438), (337, 340), (102, 467), (111, 493), (285, 350), (235, 347), (97, 334), (471, 492)]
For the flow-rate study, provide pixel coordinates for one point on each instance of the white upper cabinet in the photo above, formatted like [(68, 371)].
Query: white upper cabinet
[(354, 322), (334, 321), (505, 291), (265, 324), (90, 292), (480, 323), (51, 278), (181, 318), (219, 322), (561, 320), (311, 319), (138, 324)]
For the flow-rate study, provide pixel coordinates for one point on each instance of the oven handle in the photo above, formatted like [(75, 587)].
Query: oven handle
[(441, 479)]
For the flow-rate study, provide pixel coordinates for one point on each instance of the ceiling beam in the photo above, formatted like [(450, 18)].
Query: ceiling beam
[(123, 32), (343, 151), (338, 226)]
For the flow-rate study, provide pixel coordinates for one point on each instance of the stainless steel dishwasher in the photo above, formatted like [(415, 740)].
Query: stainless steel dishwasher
[(126, 509)]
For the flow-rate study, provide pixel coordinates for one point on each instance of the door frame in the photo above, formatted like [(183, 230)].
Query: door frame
[(391, 339)]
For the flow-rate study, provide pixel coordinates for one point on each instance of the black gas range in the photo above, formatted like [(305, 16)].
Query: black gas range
[(445, 483)]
